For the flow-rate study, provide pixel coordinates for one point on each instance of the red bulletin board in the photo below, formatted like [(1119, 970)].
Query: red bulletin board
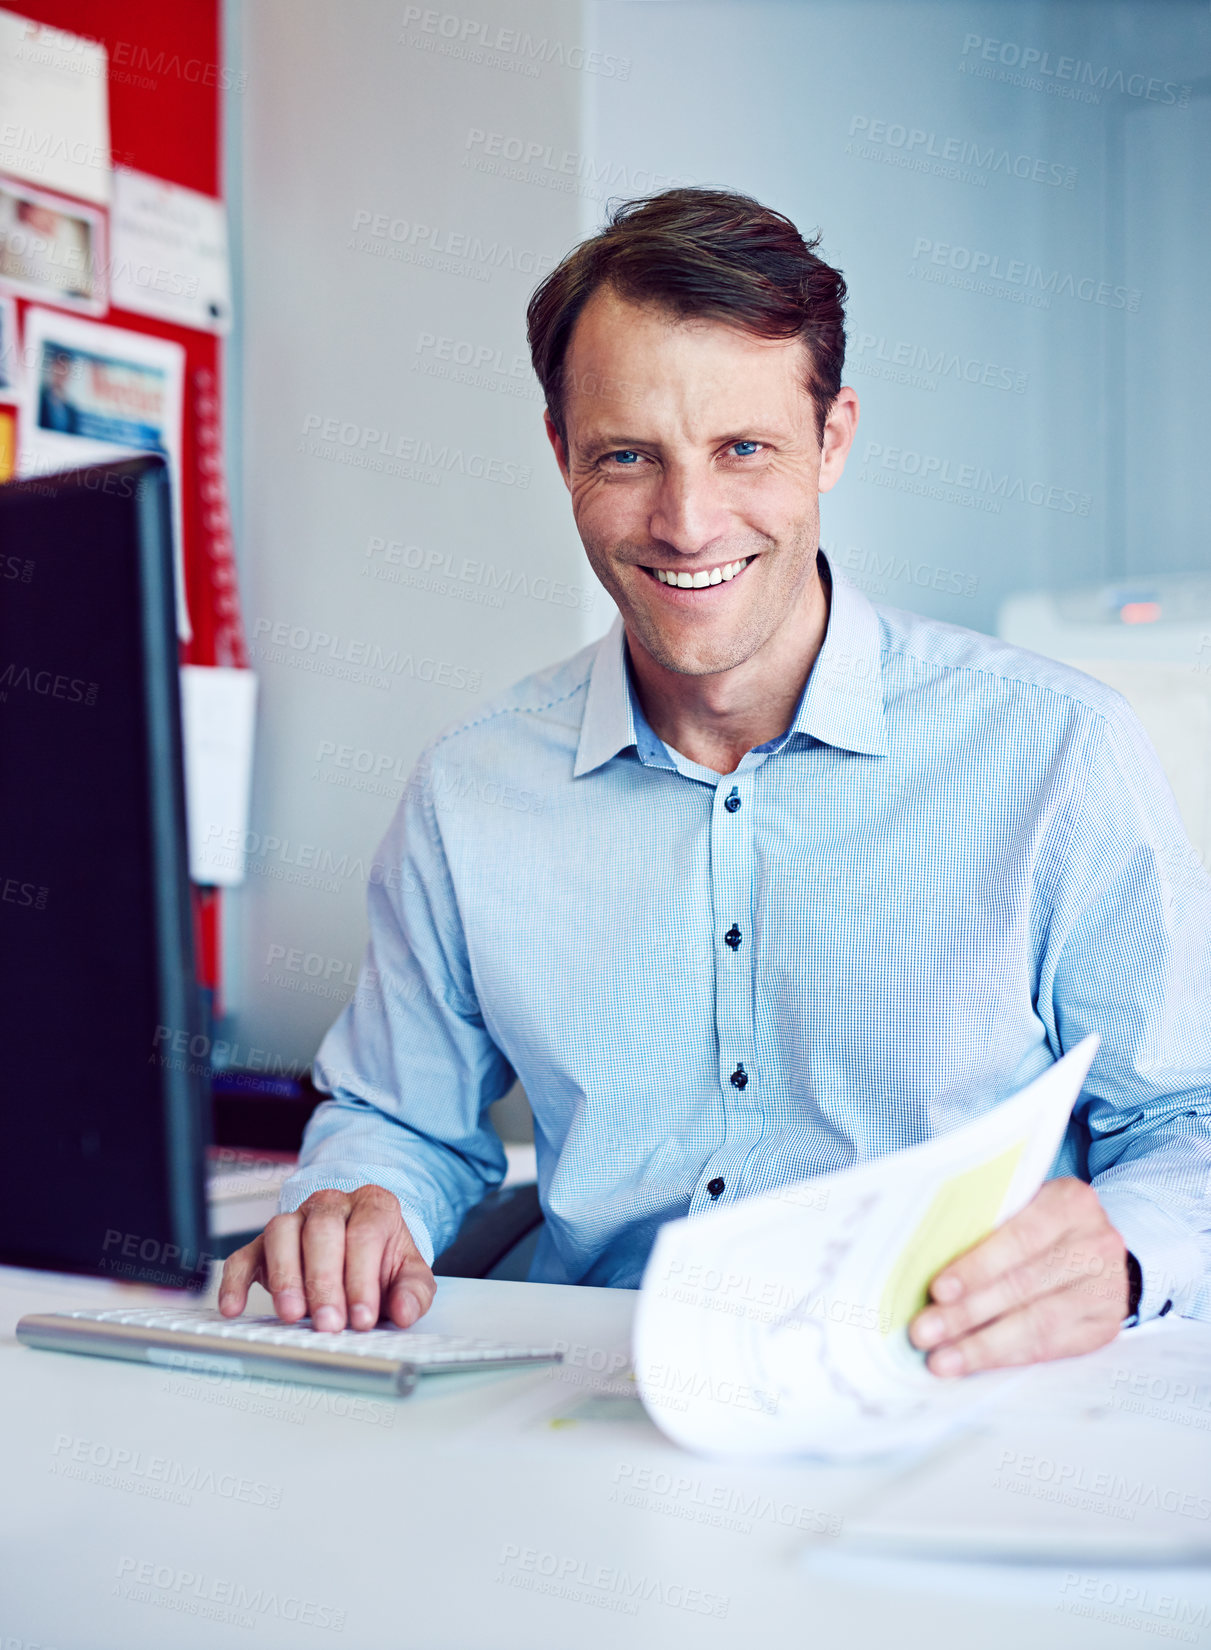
[(166, 83), (165, 75)]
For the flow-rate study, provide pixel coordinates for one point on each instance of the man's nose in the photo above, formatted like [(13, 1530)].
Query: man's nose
[(688, 515)]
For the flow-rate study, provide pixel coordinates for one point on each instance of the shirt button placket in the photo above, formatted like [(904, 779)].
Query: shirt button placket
[(731, 894)]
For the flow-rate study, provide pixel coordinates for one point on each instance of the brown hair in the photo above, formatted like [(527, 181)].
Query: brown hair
[(698, 252)]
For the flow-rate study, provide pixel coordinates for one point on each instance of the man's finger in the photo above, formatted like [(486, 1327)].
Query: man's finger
[(1006, 1293), (367, 1235), (324, 1235), (1060, 1207), (411, 1291), (1054, 1326), (1095, 1268), (284, 1266), (240, 1271)]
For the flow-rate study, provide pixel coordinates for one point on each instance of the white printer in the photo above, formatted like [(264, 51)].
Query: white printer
[(1151, 640)]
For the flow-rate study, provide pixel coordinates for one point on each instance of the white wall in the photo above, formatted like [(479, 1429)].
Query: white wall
[(342, 119)]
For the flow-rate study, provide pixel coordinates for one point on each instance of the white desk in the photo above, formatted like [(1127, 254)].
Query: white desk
[(463, 1518)]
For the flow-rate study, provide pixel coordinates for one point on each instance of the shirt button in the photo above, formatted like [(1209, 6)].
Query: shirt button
[(732, 800), (740, 1077), (732, 937), (714, 1187)]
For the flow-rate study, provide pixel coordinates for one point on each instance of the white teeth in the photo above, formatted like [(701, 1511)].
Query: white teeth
[(700, 580)]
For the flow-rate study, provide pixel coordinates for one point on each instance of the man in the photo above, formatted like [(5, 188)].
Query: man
[(769, 881), (56, 409)]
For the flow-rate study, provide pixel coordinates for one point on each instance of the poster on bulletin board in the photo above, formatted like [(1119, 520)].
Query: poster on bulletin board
[(93, 393)]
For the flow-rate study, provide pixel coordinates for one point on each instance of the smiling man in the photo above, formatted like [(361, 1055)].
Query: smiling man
[(768, 882)]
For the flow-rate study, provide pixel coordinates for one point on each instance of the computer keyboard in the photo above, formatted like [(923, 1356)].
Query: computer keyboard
[(372, 1360)]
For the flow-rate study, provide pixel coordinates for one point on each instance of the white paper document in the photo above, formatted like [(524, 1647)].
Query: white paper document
[(169, 252), (218, 709), (778, 1326), (54, 108)]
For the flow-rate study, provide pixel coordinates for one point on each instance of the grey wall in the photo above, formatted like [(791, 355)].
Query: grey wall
[(351, 132), (899, 130), (1036, 424)]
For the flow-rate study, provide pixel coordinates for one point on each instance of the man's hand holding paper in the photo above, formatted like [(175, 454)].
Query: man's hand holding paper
[(1050, 1283)]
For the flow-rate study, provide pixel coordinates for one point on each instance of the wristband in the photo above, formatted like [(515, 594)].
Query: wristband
[(1135, 1285)]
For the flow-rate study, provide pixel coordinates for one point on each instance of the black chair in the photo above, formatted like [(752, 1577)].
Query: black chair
[(497, 1238)]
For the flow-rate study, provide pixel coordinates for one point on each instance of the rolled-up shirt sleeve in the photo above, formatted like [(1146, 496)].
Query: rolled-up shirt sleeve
[(1128, 955), (409, 1066)]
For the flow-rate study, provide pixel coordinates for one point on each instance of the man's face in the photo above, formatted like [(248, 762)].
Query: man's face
[(692, 457)]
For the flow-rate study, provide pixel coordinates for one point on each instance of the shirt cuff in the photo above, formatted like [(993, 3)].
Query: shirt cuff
[(300, 1186), (1170, 1261)]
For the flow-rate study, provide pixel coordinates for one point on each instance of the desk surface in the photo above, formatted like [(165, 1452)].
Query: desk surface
[(542, 1509)]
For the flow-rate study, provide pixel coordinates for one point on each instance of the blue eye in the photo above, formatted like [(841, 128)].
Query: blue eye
[(749, 446), (627, 456)]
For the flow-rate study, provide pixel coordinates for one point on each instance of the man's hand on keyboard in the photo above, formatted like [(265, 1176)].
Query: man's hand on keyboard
[(341, 1256)]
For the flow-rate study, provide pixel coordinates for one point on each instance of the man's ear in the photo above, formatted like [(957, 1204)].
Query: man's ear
[(839, 429), (557, 447)]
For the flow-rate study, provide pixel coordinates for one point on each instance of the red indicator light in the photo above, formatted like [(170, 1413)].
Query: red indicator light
[(1140, 612)]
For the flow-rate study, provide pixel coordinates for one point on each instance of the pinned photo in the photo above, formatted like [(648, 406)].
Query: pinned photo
[(52, 249)]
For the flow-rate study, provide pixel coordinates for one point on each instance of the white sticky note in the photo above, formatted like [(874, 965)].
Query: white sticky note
[(168, 252), (218, 710), (54, 108)]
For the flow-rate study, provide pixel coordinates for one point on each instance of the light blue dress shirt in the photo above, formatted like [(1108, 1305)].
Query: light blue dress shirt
[(959, 860)]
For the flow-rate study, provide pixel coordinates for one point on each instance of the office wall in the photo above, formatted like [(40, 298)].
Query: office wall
[(1017, 195), (403, 550)]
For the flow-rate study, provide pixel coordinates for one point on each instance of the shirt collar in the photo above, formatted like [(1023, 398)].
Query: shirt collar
[(609, 719), (841, 705)]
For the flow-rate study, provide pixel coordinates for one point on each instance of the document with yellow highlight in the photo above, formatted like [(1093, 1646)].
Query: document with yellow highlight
[(779, 1326)]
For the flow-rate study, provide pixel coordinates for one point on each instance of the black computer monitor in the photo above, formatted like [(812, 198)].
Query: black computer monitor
[(103, 1063)]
